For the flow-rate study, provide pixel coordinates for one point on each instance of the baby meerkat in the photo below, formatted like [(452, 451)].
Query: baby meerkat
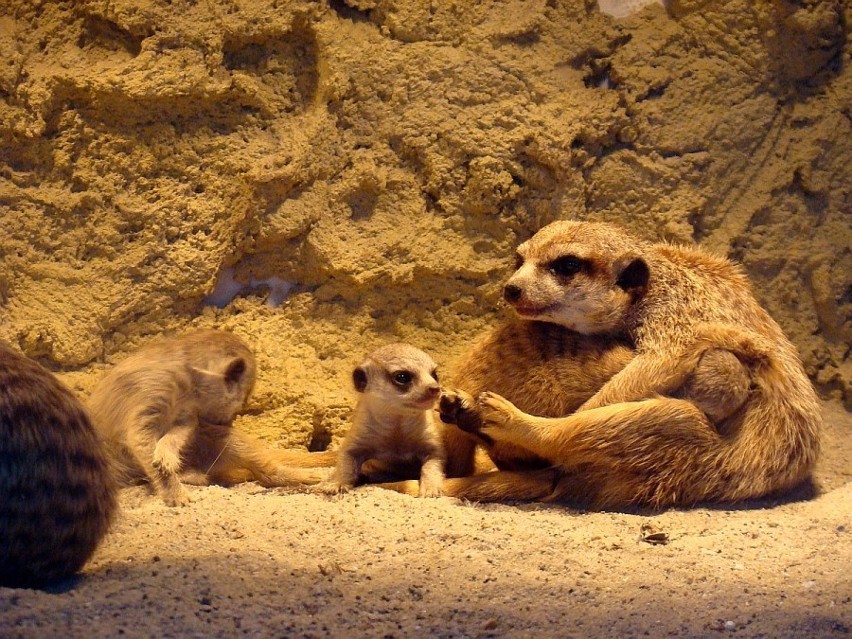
[(166, 414), (393, 422), (57, 490)]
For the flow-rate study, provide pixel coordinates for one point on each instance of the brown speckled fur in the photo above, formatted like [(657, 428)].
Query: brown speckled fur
[(57, 492)]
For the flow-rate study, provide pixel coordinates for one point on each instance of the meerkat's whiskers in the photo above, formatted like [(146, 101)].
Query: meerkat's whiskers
[(219, 456)]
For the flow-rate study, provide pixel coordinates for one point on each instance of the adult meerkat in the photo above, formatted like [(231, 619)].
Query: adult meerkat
[(166, 414), (57, 491), (712, 405), (393, 423)]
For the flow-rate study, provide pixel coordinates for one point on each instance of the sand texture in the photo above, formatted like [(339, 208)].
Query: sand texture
[(249, 562), (323, 177)]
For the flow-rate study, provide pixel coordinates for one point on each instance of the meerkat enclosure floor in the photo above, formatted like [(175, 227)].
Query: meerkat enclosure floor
[(269, 563)]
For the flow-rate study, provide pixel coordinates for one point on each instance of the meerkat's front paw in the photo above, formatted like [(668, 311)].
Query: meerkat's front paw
[(332, 487), (430, 489), (497, 415), (176, 497), (459, 408)]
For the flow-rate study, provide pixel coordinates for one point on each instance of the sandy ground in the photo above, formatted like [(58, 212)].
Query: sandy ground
[(267, 563)]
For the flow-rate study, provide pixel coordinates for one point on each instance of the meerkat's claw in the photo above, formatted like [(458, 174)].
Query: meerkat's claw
[(428, 489), (495, 412), (459, 408), (331, 488)]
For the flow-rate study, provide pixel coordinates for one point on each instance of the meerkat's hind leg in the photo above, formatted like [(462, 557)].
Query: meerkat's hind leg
[(303, 458), (194, 477), (719, 385), (293, 477), (244, 458), (638, 443)]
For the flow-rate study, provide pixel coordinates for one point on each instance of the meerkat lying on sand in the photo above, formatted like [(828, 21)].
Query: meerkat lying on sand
[(393, 422), (712, 405), (166, 414), (57, 491)]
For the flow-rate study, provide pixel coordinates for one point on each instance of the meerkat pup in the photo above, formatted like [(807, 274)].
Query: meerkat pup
[(691, 316), (166, 414), (393, 422), (57, 491)]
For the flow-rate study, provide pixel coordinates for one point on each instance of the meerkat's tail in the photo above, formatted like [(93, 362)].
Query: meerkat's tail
[(777, 442), (495, 486), (303, 458)]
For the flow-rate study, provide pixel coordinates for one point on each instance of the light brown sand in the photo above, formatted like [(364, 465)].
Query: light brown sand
[(267, 563)]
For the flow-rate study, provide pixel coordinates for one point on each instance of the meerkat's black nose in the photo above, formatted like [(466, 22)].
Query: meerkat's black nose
[(512, 292)]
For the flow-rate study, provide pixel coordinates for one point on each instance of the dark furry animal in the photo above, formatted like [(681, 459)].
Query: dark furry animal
[(57, 491)]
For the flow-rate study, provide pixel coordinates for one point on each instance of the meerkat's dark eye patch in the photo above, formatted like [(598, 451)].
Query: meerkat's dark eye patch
[(519, 261), (402, 379), (435, 374), (566, 265)]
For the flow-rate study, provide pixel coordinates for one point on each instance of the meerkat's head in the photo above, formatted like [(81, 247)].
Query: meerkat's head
[(580, 275), (223, 374), (399, 376)]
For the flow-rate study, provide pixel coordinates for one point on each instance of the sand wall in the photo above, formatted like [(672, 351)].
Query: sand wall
[(322, 177)]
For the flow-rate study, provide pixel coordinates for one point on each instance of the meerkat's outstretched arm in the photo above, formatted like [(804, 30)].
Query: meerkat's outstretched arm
[(167, 463), (346, 471)]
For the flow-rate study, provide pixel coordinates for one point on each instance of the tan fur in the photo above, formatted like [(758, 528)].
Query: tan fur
[(714, 405), (393, 426), (546, 369), (166, 414), (57, 491)]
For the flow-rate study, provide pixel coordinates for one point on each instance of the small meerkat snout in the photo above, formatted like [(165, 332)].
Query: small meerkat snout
[(512, 293)]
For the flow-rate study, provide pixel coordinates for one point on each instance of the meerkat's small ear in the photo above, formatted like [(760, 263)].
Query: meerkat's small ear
[(235, 371), (359, 378), (631, 273)]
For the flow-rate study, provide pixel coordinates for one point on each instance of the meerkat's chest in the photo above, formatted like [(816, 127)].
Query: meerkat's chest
[(401, 442)]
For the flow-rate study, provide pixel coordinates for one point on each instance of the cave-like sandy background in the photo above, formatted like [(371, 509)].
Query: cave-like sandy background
[(322, 177)]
